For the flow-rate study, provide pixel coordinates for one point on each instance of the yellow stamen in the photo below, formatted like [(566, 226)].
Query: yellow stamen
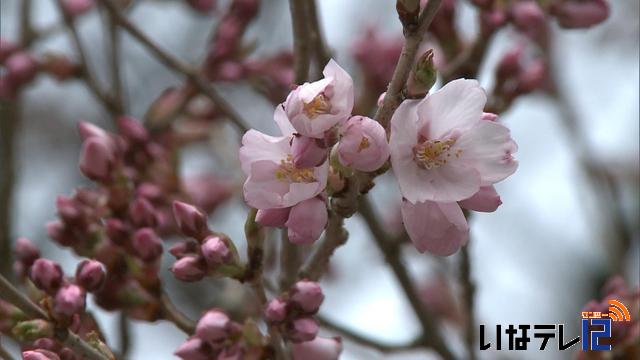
[(434, 153), (289, 173), (364, 144), (318, 106)]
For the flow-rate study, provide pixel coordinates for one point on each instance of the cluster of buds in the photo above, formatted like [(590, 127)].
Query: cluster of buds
[(287, 176), (625, 333), (292, 312), (377, 58), (206, 252), (219, 337)]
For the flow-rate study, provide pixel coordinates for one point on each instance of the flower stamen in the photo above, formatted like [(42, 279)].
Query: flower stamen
[(289, 173), (318, 106), (434, 153)]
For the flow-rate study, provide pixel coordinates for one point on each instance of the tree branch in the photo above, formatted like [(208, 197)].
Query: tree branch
[(171, 313), (335, 236), (320, 50), (177, 65), (468, 297), (301, 41)]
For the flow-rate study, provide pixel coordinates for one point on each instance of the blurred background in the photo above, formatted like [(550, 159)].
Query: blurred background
[(538, 259)]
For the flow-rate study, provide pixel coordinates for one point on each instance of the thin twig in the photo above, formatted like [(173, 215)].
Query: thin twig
[(114, 57), (468, 297), (4, 354), (124, 329), (335, 235), (15, 297), (320, 50), (289, 261), (171, 313), (391, 251), (177, 65), (301, 41), (366, 341), (413, 38)]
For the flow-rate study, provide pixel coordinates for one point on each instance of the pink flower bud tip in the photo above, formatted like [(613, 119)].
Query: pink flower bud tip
[(276, 311), (273, 217), (318, 349), (39, 354), (363, 145), (142, 213), (527, 15), (213, 326), (574, 14), (116, 231), (91, 275), (132, 129), (191, 221), (307, 152), (97, 158), (303, 329), (46, 275), (307, 221), (147, 244), (189, 268), (308, 295), (216, 251), (21, 67), (194, 349), (77, 7), (202, 5), (184, 248), (26, 251), (69, 300), (87, 130)]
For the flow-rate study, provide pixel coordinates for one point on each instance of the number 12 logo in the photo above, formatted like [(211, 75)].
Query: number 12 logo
[(590, 338)]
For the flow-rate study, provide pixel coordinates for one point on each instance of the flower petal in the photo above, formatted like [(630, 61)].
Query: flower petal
[(257, 146), (485, 200), (439, 228), (281, 119)]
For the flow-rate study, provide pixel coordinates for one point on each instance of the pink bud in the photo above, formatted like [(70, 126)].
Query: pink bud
[(381, 99), (363, 145), (184, 248), (77, 7), (574, 14), (59, 66), (7, 48), (489, 117), (67, 209), (26, 252), (147, 245), (21, 67), (39, 354), (207, 190), (213, 326), (69, 300), (273, 217), (132, 129), (509, 65), (216, 251), (532, 77), (303, 329), (142, 213), (87, 130), (91, 275), (194, 349), (318, 349), (492, 19), (485, 200), (276, 311), (57, 231), (97, 158), (308, 295), (189, 269), (528, 16), (149, 191), (307, 221), (46, 275), (116, 231), (202, 5), (191, 221), (307, 152)]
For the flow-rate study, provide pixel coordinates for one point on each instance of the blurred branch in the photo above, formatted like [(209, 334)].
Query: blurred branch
[(366, 341), (92, 83), (124, 330), (301, 41), (412, 39), (15, 297), (320, 50), (177, 65), (171, 313), (468, 62), (391, 251), (289, 261), (114, 57), (335, 236), (4, 354), (468, 297)]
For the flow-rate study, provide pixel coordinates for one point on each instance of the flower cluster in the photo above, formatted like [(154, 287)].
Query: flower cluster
[(447, 154), (287, 175), (206, 252), (292, 312)]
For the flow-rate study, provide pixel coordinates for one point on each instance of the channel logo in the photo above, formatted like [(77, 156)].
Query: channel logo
[(596, 326)]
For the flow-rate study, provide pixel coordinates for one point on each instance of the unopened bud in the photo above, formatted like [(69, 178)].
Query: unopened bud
[(319, 348), (77, 7), (97, 158), (307, 221), (191, 221), (276, 311), (46, 275), (216, 251), (26, 252), (528, 16), (132, 129), (213, 326), (189, 269), (39, 354), (31, 330), (303, 329), (308, 295), (363, 145), (69, 300), (194, 349), (116, 231), (424, 75), (147, 244), (91, 275), (575, 14), (307, 152), (142, 213)]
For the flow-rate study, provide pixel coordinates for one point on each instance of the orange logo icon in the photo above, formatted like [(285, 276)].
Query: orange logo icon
[(618, 312)]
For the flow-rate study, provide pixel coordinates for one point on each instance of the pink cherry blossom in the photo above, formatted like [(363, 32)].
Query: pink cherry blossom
[(581, 14), (307, 221), (442, 151), (319, 348), (316, 107), (363, 145), (273, 179), (439, 228)]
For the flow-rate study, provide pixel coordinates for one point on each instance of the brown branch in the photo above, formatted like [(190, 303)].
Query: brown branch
[(124, 330), (177, 65), (15, 297), (171, 313), (320, 50), (289, 261), (412, 39), (335, 236), (364, 340), (301, 41), (114, 61), (391, 251)]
